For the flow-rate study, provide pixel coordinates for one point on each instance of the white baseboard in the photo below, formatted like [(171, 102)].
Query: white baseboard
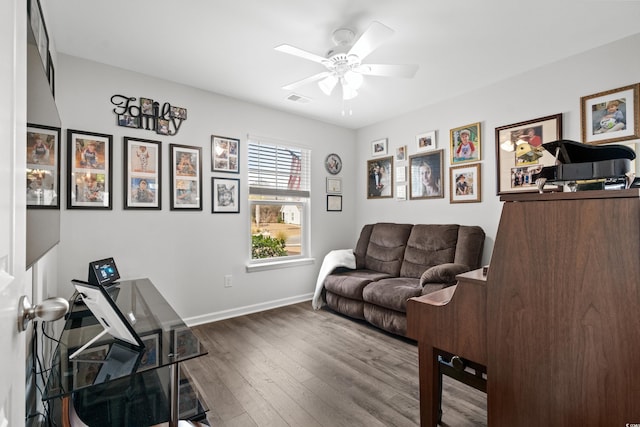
[(241, 311)]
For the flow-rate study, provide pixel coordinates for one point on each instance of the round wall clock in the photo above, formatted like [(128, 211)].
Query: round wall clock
[(333, 163)]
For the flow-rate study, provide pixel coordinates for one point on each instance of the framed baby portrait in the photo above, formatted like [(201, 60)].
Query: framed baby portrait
[(142, 174), (520, 154), (43, 167), (380, 178), (225, 154), (465, 184), (89, 169), (611, 116), (186, 177), (426, 175), (465, 144), (225, 195)]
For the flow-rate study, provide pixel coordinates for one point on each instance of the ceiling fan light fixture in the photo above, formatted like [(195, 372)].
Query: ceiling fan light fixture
[(348, 92), (353, 79), (327, 84)]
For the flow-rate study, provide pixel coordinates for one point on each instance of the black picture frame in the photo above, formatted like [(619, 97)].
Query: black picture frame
[(334, 203), (43, 167), (225, 154), (89, 170), (40, 33), (185, 163), (142, 174), (225, 195)]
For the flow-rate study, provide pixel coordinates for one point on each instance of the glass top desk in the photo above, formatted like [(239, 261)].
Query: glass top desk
[(111, 383)]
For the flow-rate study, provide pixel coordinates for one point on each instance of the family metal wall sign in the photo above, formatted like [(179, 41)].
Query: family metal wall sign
[(149, 115)]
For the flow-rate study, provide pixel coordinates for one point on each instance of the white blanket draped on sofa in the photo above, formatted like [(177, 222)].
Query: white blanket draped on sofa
[(334, 259)]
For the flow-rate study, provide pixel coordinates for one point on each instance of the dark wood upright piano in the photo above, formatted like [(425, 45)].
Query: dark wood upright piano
[(559, 330)]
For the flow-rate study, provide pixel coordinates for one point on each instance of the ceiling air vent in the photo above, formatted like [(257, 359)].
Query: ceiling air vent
[(298, 98)]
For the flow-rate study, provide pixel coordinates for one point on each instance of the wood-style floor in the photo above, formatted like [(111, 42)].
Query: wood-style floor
[(293, 366)]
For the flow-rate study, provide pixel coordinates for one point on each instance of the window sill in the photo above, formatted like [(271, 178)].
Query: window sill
[(274, 265)]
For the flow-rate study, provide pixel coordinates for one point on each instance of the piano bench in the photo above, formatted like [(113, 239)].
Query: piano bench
[(466, 371)]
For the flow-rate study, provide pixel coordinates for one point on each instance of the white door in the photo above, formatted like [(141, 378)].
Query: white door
[(13, 21)]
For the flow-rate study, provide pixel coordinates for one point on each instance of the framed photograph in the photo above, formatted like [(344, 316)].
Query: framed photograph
[(611, 116), (89, 169), (379, 147), (178, 113), (426, 175), (142, 174), (152, 351), (225, 154), (519, 153), (39, 29), (465, 144), (401, 174), (43, 167), (401, 153), (225, 195), (380, 178), (88, 364), (426, 141), (146, 106), (162, 126), (334, 203), (186, 177), (465, 184), (185, 344), (334, 185), (401, 192)]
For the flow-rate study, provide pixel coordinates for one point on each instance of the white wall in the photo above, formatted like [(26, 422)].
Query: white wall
[(187, 254), (552, 89)]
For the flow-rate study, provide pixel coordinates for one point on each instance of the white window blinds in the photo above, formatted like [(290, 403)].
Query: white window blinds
[(278, 169)]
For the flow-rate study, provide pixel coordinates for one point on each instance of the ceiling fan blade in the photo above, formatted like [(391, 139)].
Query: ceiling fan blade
[(328, 84), (291, 50), (373, 37), (387, 70), (308, 80)]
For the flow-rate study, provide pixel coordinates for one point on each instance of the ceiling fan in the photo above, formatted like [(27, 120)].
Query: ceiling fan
[(344, 62)]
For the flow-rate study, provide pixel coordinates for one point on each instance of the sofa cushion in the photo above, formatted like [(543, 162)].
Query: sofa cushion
[(350, 283), (429, 245), (346, 306), (386, 319), (392, 293), (385, 250)]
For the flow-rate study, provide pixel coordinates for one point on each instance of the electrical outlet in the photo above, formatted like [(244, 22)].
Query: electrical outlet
[(227, 281)]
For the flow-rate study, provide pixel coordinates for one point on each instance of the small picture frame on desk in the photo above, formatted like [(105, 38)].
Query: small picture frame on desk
[(85, 367), (185, 344), (152, 349)]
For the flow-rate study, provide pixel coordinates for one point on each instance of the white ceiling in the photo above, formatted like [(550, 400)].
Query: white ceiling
[(226, 46)]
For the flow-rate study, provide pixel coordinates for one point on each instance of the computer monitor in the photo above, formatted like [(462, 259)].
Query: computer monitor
[(105, 310), (103, 272)]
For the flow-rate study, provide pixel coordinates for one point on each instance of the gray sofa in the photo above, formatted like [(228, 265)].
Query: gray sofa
[(395, 262)]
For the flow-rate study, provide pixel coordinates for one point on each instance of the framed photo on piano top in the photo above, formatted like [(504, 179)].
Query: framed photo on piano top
[(519, 153), (611, 116)]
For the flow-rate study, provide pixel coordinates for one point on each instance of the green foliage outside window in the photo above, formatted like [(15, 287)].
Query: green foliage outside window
[(267, 246)]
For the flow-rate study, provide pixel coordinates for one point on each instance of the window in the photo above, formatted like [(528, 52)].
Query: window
[(279, 187)]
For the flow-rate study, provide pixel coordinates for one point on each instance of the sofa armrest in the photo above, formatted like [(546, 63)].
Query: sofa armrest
[(443, 273)]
